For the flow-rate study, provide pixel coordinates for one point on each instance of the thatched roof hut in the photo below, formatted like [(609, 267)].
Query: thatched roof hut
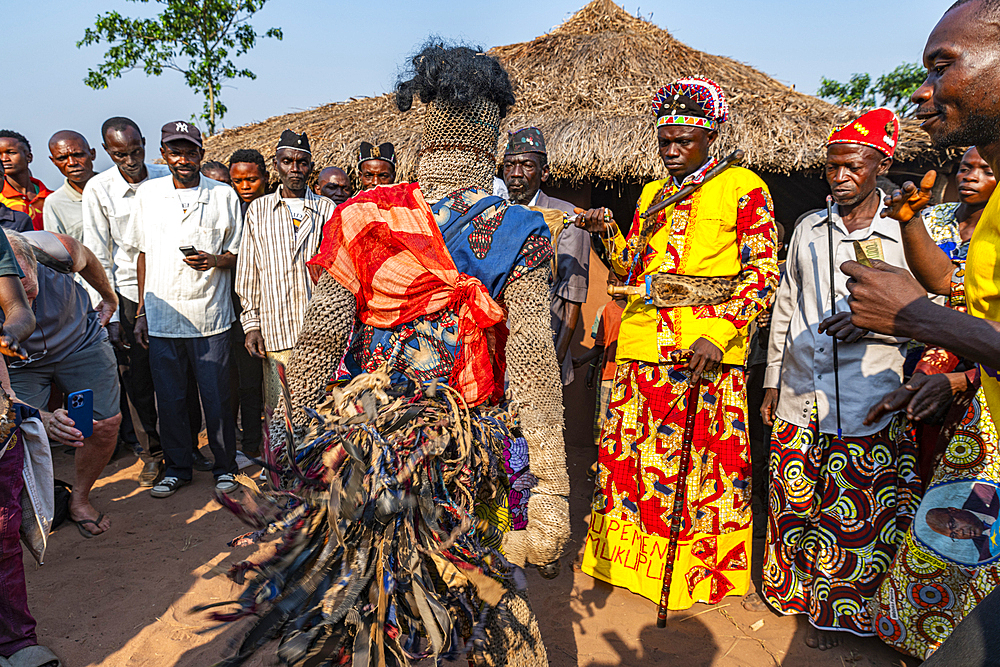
[(588, 85)]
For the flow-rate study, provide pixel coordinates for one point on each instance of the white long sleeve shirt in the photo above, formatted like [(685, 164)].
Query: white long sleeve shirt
[(800, 359), (107, 204)]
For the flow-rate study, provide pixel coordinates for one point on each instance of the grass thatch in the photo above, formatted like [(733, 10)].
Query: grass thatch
[(588, 85)]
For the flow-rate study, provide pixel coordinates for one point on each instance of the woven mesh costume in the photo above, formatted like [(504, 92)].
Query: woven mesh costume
[(458, 148), (395, 571)]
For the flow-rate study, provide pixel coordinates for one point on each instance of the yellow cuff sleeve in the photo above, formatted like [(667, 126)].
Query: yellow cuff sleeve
[(719, 331)]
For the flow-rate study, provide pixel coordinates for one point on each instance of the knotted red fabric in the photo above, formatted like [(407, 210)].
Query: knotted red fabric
[(384, 246)]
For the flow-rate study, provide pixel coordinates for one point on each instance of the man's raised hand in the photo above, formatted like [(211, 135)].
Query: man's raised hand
[(905, 203), (879, 294)]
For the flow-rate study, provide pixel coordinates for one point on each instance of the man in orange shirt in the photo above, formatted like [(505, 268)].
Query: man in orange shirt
[(20, 191)]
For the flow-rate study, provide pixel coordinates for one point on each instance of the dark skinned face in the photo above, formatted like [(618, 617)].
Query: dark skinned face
[(976, 181), (293, 167), (15, 157), (75, 159), (333, 183), (955, 523), (376, 172), (523, 174), (851, 171), (248, 182), (959, 101), (218, 174), (128, 151), (184, 160), (684, 149)]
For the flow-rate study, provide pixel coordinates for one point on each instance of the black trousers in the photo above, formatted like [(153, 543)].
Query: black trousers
[(175, 362), (248, 384), (976, 640), (137, 380)]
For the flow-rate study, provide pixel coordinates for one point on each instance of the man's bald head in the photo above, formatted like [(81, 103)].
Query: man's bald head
[(982, 8), (334, 183), (71, 153)]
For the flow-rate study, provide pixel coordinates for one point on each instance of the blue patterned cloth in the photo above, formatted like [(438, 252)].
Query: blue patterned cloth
[(488, 239)]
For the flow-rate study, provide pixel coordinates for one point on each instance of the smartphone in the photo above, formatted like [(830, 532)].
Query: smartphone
[(80, 406), (188, 250)]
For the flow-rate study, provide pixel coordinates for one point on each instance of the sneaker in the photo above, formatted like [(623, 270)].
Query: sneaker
[(202, 462), (242, 460), (151, 471), (226, 483), (168, 486)]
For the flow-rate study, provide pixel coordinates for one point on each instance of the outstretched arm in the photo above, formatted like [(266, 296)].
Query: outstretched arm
[(930, 265), (888, 300), (536, 396), (326, 330)]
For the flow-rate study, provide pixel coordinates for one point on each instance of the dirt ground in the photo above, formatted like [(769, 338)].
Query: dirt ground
[(124, 598)]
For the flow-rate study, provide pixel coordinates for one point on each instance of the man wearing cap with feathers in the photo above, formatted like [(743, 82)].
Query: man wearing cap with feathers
[(839, 502), (724, 229), (281, 232)]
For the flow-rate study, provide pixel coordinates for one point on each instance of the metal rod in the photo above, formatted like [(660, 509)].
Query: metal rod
[(833, 311), (680, 493)]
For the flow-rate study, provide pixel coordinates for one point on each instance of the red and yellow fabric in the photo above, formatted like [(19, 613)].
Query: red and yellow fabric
[(385, 247), (982, 287), (725, 229), (638, 475), (32, 205)]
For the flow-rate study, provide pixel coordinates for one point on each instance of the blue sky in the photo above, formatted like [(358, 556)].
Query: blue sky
[(334, 50)]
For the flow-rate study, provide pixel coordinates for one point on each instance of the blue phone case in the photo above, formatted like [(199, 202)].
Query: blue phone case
[(80, 406)]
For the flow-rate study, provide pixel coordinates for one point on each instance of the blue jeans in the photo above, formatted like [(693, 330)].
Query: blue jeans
[(172, 362)]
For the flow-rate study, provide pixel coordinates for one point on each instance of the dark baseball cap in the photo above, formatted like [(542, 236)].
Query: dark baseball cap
[(180, 130)]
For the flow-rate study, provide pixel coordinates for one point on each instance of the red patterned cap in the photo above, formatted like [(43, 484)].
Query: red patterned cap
[(879, 128)]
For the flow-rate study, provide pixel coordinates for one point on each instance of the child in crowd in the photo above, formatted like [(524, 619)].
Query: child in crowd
[(602, 356)]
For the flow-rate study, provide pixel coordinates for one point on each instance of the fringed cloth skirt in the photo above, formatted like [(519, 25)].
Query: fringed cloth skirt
[(390, 518)]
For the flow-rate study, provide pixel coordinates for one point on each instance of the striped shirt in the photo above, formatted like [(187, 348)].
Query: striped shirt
[(271, 276)]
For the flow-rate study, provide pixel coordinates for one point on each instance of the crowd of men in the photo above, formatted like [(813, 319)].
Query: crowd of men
[(176, 291)]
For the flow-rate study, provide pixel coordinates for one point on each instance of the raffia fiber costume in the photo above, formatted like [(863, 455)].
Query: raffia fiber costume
[(395, 529)]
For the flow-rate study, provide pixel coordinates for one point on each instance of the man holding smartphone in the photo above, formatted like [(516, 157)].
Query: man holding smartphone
[(187, 229), (69, 348)]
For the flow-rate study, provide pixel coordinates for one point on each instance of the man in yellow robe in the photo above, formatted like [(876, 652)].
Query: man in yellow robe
[(663, 402)]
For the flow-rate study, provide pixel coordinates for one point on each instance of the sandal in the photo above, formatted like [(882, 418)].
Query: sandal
[(168, 486), (86, 533)]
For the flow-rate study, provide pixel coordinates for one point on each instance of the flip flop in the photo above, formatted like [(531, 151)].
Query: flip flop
[(86, 533)]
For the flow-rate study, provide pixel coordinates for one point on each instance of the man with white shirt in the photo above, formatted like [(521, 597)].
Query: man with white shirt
[(107, 203), (838, 501), (187, 231), (72, 155), (281, 233)]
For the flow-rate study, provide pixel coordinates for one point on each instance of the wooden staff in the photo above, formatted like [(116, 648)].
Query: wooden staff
[(733, 158), (680, 496)]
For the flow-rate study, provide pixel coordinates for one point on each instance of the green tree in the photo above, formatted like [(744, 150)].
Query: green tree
[(198, 38), (889, 90)]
